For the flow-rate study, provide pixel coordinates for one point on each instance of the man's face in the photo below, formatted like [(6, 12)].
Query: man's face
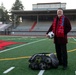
[(59, 12)]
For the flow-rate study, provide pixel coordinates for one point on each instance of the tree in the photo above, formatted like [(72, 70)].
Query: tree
[(17, 5), (6, 16), (3, 14)]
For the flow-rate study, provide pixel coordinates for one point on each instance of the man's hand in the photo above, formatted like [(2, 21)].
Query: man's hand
[(47, 36)]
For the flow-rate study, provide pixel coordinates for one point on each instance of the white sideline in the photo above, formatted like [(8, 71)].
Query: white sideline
[(75, 72), (41, 72), (74, 39), (21, 45), (8, 70)]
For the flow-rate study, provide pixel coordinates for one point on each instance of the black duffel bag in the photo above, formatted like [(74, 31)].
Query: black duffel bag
[(43, 61)]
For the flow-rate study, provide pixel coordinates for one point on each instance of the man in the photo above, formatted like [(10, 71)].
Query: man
[(60, 27)]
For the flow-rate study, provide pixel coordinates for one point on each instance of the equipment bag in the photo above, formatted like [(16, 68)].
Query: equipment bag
[(42, 61), (54, 60)]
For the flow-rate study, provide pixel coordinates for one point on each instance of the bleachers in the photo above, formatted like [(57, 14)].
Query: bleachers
[(4, 26), (40, 29), (42, 26), (73, 23), (24, 26)]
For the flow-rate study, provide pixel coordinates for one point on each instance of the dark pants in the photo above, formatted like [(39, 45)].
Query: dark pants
[(61, 52)]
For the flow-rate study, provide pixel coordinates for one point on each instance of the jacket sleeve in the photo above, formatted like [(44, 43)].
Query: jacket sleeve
[(50, 29), (67, 25)]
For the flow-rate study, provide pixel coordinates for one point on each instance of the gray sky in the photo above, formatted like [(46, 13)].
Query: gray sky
[(28, 3)]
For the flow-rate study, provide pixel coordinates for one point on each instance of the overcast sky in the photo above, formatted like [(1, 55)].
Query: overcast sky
[(28, 3)]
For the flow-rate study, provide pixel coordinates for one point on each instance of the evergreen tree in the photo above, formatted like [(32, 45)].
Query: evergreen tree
[(17, 5), (3, 14)]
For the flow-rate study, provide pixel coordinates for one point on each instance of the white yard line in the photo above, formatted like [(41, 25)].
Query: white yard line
[(41, 72), (22, 45), (8, 70), (74, 39), (75, 72)]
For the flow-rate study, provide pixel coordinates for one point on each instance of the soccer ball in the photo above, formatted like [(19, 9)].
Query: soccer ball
[(12, 32), (51, 34)]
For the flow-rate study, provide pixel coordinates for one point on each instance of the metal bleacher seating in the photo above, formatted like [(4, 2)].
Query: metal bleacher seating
[(39, 29)]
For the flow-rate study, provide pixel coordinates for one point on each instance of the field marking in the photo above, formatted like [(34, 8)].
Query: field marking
[(25, 57), (16, 58), (41, 72), (22, 45), (75, 72), (72, 50), (8, 70), (74, 39)]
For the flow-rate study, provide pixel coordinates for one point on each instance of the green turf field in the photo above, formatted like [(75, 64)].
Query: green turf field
[(16, 56)]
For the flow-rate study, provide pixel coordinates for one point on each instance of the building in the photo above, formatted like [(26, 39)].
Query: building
[(49, 6)]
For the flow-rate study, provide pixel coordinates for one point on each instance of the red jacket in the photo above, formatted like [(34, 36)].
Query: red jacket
[(67, 28)]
